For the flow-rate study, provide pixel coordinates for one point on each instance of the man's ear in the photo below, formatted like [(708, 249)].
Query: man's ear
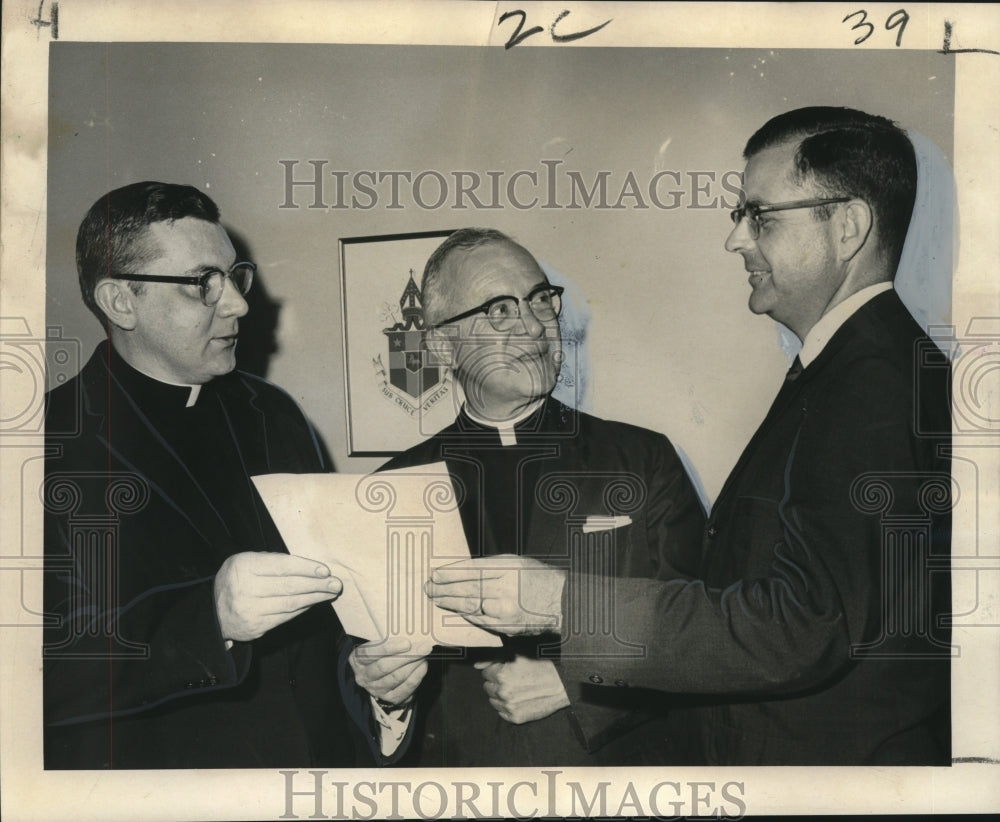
[(855, 225), (117, 301), (439, 345)]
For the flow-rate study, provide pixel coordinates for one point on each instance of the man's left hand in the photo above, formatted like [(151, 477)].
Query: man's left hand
[(389, 670), (507, 593), (523, 690)]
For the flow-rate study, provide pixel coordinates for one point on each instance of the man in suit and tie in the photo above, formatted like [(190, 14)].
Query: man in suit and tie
[(181, 633), (812, 630), (534, 476)]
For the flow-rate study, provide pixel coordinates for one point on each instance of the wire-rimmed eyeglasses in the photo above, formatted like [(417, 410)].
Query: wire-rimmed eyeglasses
[(212, 282), (544, 301), (752, 211)]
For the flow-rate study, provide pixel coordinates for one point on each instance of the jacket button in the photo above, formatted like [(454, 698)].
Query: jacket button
[(712, 531), (291, 682), (621, 683), (597, 680)]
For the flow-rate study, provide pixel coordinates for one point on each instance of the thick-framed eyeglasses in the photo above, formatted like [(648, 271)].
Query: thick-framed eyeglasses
[(211, 283), (752, 211), (545, 302)]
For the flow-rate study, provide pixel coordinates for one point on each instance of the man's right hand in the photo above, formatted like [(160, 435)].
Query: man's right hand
[(258, 590)]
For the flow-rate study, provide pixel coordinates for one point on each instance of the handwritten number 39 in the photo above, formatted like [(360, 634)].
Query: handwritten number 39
[(519, 36), (898, 19)]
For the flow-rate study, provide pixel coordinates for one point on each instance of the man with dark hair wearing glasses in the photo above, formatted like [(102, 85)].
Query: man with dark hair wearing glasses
[(812, 632), (182, 634), (534, 475)]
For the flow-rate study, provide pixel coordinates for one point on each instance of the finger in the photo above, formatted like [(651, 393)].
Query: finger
[(463, 569), (377, 685), (482, 568), (454, 588), (405, 690), (279, 586), (292, 603), (445, 575), (272, 563), (422, 645), (507, 626), (492, 689), (493, 672), (368, 652), (390, 671), (484, 663), (352, 660), (466, 605)]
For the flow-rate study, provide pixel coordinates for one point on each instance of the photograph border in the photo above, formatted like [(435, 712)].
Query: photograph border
[(972, 34)]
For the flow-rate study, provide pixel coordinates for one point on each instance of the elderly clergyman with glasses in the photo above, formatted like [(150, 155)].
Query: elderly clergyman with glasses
[(815, 629), (533, 476), (182, 634)]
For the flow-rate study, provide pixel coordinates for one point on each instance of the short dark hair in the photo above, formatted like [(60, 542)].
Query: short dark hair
[(110, 240), (432, 290), (846, 152)]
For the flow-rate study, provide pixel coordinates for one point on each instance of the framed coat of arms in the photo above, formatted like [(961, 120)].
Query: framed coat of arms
[(396, 392)]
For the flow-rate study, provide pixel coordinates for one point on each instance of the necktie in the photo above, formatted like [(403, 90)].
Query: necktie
[(794, 371)]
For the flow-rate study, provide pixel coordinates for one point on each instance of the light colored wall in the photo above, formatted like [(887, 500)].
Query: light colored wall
[(672, 344)]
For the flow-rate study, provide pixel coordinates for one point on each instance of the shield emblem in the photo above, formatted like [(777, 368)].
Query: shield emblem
[(409, 368)]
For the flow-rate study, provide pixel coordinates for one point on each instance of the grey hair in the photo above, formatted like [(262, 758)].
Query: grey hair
[(433, 288)]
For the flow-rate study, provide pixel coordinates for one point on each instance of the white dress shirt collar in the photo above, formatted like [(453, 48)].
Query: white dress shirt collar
[(819, 335)]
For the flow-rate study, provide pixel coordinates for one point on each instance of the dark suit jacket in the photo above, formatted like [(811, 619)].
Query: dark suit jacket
[(136, 673), (810, 630), (533, 498)]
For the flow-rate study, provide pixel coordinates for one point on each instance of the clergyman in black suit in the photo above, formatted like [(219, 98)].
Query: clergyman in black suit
[(181, 632), (812, 630), (540, 479)]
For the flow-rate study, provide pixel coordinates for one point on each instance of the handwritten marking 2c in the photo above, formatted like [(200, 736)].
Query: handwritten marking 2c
[(519, 35)]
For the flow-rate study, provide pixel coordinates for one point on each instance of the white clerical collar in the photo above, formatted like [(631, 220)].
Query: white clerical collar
[(505, 428), (819, 335), (194, 390)]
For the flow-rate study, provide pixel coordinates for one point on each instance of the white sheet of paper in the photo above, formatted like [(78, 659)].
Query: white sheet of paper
[(382, 535)]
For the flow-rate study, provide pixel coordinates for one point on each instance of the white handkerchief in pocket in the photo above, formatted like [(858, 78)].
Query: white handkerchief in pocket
[(599, 523)]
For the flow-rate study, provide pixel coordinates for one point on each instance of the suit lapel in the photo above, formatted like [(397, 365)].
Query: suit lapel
[(134, 442), (545, 535), (853, 329), (788, 392), (250, 427)]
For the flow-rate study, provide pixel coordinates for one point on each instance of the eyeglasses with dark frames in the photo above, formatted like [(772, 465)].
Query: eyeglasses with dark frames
[(752, 211), (212, 282), (544, 301)]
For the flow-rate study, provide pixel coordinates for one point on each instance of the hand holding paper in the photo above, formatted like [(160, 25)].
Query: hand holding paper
[(382, 535), (256, 591), (511, 594)]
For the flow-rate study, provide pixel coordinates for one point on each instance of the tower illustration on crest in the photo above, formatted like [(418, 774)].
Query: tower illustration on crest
[(409, 367)]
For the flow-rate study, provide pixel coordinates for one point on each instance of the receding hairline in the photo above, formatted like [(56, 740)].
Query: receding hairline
[(446, 281)]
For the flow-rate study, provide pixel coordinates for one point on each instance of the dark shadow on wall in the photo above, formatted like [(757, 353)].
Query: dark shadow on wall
[(259, 328)]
